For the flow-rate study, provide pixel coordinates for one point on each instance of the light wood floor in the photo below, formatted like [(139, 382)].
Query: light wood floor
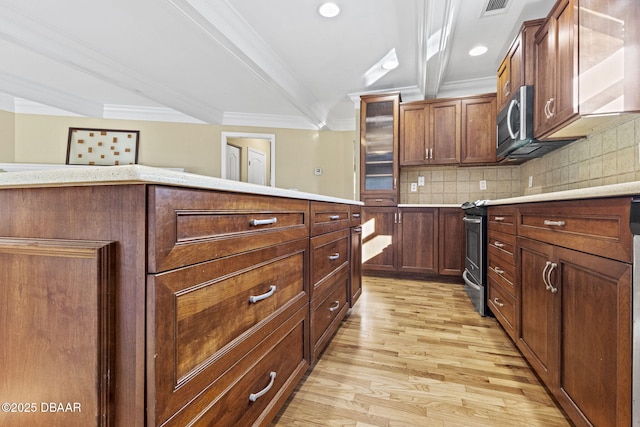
[(414, 353)]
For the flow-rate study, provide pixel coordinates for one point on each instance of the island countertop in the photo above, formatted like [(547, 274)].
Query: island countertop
[(138, 174)]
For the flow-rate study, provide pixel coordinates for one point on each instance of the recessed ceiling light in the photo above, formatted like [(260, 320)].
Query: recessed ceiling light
[(478, 50), (329, 10)]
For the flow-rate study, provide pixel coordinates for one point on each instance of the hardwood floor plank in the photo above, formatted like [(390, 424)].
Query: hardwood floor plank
[(415, 353)]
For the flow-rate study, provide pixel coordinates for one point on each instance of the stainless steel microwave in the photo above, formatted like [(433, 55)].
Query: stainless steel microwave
[(515, 138)]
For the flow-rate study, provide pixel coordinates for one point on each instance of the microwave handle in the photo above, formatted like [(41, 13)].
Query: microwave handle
[(512, 104)]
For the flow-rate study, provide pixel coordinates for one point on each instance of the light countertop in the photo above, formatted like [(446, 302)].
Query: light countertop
[(137, 174), (613, 190)]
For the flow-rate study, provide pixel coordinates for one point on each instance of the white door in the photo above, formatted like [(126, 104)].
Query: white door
[(257, 167), (233, 162)]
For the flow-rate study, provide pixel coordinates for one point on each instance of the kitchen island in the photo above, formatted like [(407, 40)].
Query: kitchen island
[(137, 296)]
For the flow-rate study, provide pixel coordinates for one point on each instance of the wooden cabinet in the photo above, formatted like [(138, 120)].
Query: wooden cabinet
[(408, 240), (517, 67), (574, 293), (478, 143), (448, 131), (355, 279), (501, 266), (379, 149), (586, 66), (160, 305), (430, 133), (331, 270)]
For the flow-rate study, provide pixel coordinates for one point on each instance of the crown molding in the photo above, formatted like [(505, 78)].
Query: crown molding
[(468, 87)]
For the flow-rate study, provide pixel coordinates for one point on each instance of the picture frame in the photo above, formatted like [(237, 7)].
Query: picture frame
[(102, 147)]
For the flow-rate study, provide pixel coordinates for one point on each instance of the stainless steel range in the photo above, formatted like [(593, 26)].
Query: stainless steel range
[(475, 272)]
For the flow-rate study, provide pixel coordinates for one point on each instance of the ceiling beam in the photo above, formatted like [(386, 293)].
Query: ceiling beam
[(220, 21)]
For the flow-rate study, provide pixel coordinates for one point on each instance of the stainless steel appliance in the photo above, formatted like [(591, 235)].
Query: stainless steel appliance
[(515, 129), (475, 272)]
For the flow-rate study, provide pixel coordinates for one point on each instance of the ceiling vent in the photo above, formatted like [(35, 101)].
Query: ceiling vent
[(495, 7)]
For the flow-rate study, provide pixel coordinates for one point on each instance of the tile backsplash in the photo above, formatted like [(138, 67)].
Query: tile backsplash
[(457, 185), (609, 156)]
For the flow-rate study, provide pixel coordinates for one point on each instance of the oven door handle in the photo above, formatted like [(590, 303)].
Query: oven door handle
[(469, 282), (472, 220)]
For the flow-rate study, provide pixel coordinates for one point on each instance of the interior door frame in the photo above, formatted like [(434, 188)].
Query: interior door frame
[(267, 136)]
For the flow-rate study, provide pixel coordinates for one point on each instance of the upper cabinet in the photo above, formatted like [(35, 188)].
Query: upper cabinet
[(517, 67), (448, 131), (587, 62), (379, 149), (430, 133)]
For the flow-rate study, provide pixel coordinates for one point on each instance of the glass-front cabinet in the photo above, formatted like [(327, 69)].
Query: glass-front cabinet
[(379, 149)]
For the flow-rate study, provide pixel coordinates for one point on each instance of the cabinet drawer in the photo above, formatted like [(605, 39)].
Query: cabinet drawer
[(356, 215), (598, 226), (502, 245), (190, 226), (503, 307), (327, 312), (503, 274), (380, 201), (267, 374), (501, 219), (326, 217), (329, 253), (202, 319)]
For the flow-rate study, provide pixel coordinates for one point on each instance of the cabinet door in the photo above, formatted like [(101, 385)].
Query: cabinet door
[(355, 282), (504, 77), (444, 132), (379, 146), (545, 76), (452, 242), (478, 143), (418, 237), (595, 356), (537, 329), (566, 75), (379, 238), (413, 132)]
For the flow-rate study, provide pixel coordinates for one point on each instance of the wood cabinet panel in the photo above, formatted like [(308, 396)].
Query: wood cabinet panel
[(379, 238), (327, 217), (503, 306), (57, 339), (478, 140), (451, 242), (193, 339), (502, 245), (189, 226), (418, 237), (599, 226), (327, 311), (414, 129), (595, 355), (329, 253), (355, 283), (273, 366), (445, 132)]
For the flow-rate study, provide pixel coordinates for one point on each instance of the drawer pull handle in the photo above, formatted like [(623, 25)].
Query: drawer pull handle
[(498, 270), (357, 216), (379, 200), (552, 266), (497, 302), (554, 223), (334, 256), (334, 217), (334, 306), (268, 221), (498, 218), (357, 230), (498, 244), (255, 298), (255, 396)]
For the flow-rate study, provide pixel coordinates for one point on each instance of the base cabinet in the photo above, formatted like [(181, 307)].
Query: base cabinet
[(574, 318), (413, 240)]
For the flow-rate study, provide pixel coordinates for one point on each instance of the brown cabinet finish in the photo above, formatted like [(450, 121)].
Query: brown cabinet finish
[(379, 239), (418, 240), (188, 226), (574, 295), (355, 283), (451, 242), (501, 266), (586, 66), (478, 142), (329, 253), (57, 339), (326, 217)]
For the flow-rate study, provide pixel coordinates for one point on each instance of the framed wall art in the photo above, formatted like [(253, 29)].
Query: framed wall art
[(102, 147)]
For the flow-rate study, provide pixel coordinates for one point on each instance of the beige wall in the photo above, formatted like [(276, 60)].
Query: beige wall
[(7, 137), (196, 148)]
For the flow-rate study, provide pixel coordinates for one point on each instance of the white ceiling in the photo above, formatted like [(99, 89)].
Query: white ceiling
[(270, 63)]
